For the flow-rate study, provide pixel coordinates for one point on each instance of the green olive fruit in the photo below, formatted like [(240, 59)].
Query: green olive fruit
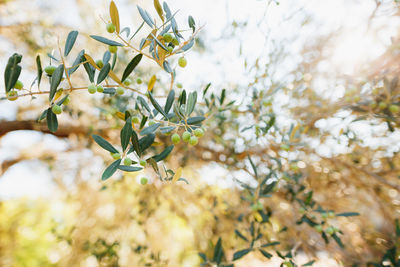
[(100, 89), (175, 41), (112, 49), (199, 132), (142, 162), (18, 85), (110, 27), (127, 162), (382, 105), (66, 101), (394, 108), (170, 49), (285, 147), (186, 136), (175, 138), (318, 228), (99, 63), (193, 140), (143, 180), (139, 81), (12, 95), (331, 214), (120, 90), (49, 70), (92, 88), (127, 81), (182, 62), (330, 230), (116, 155), (167, 37), (152, 122), (135, 120), (179, 85), (56, 109)]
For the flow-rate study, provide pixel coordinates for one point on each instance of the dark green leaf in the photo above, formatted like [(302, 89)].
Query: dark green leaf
[(348, 214), (143, 122), (135, 143), (110, 91), (170, 101), (218, 252), (89, 70), (265, 254), (55, 80), (195, 120), (167, 129), (129, 168), (106, 41), (253, 166), (206, 89), (154, 165), (203, 256), (146, 142), (106, 57), (239, 234), (187, 46), (310, 263), (105, 70), (191, 103), (270, 244), (338, 240), (191, 23), (104, 144), (12, 71), (239, 254), (43, 115), (79, 59), (182, 98), (110, 170), (70, 42), (62, 100), (39, 69), (167, 67), (150, 129), (126, 134), (131, 66), (52, 122), (157, 106), (397, 228), (143, 103), (268, 188), (163, 154)]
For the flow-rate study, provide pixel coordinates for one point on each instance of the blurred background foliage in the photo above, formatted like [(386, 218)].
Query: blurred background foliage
[(306, 140)]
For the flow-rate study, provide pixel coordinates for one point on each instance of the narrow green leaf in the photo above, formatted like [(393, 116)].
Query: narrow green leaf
[(158, 42), (90, 70), (105, 70), (167, 67), (126, 134), (191, 103), (39, 69), (105, 40), (52, 122), (310, 263), (70, 42), (143, 103), (43, 115), (79, 59), (170, 101), (104, 144), (62, 100), (12, 71), (110, 170), (55, 80), (265, 254), (150, 129), (167, 129), (192, 23), (218, 252), (168, 13), (141, 25), (146, 142), (239, 234), (195, 120), (135, 143), (348, 214), (182, 98), (157, 106), (253, 166), (106, 57), (239, 254), (145, 16), (270, 244), (129, 168), (131, 66), (338, 240), (163, 154)]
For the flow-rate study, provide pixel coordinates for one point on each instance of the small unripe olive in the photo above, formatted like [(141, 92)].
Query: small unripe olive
[(139, 81), (110, 27), (116, 155), (56, 109), (99, 63), (394, 108), (120, 90), (330, 230), (112, 49), (143, 180), (318, 228), (142, 162), (152, 123), (331, 214), (324, 215), (193, 140), (182, 62), (167, 37), (18, 85), (285, 147), (175, 41), (12, 95), (382, 105), (179, 85), (175, 138), (66, 101), (127, 161), (127, 81), (375, 91), (50, 69), (199, 132), (186, 136), (135, 120), (170, 49), (100, 89), (92, 88)]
